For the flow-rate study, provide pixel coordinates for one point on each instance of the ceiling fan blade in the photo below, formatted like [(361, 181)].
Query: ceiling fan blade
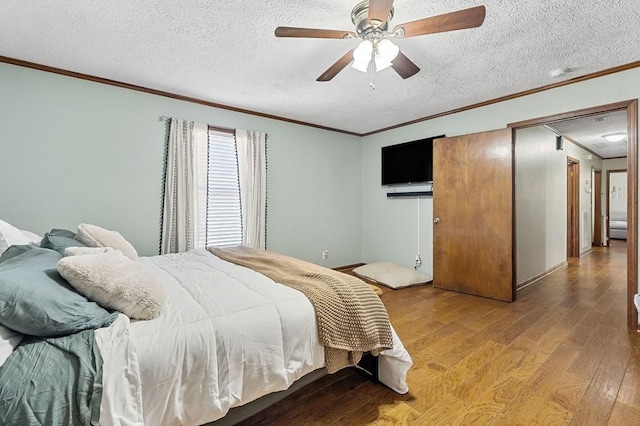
[(466, 18), (312, 33), (334, 69), (404, 66), (379, 11)]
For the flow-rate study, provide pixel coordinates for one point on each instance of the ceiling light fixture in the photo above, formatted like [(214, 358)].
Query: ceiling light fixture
[(362, 56), (382, 52), (371, 20), (615, 137), (560, 72)]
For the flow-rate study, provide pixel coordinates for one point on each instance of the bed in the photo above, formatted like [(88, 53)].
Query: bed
[(227, 336)]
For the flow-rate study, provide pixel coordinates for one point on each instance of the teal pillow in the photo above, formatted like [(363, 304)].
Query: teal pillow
[(36, 300), (60, 239), (14, 251)]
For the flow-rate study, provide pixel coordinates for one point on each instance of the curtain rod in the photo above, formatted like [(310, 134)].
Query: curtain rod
[(216, 128)]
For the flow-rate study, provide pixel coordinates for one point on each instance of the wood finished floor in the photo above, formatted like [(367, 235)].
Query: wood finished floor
[(559, 355)]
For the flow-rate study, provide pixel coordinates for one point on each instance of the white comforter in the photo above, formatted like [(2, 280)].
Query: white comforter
[(228, 336)]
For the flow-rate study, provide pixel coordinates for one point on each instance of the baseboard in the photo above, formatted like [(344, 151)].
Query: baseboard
[(542, 275), (585, 251)]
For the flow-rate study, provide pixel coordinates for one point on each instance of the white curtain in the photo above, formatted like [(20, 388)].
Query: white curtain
[(252, 173), (183, 218)]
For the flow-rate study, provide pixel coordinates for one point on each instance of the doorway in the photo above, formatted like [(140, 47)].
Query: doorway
[(573, 207), (631, 109)]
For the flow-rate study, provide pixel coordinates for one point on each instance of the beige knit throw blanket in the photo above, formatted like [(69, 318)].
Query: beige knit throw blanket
[(351, 317)]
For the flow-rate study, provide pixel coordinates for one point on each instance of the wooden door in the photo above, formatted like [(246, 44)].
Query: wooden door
[(596, 186), (473, 214), (573, 207)]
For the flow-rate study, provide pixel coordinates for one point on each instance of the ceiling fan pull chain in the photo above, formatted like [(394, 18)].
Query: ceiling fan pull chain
[(372, 71)]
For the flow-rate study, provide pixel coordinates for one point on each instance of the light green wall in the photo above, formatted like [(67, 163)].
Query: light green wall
[(76, 151), (541, 201), (390, 228)]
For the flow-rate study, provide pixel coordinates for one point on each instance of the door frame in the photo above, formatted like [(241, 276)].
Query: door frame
[(573, 208), (631, 107), (609, 203), (596, 206)]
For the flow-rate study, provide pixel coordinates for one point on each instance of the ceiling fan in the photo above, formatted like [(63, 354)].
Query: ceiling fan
[(371, 19)]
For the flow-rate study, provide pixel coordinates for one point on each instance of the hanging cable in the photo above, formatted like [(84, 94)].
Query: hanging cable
[(418, 259), (373, 71)]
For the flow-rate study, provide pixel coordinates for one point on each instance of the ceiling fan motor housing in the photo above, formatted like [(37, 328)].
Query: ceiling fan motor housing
[(360, 18)]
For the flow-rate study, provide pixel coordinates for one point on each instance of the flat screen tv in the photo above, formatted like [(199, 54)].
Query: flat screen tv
[(409, 162)]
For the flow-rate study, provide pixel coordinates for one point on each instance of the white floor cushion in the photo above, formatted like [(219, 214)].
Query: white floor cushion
[(392, 275)]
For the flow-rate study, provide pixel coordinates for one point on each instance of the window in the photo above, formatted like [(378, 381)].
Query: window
[(223, 213), (214, 188)]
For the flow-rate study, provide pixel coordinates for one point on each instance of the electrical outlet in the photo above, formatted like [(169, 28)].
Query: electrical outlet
[(325, 254)]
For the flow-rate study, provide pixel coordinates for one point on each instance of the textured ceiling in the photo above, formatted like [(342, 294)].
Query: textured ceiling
[(226, 52)]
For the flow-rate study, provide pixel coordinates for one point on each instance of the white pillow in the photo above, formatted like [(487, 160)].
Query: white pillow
[(79, 251), (116, 282), (95, 236), (9, 339), (34, 238), (391, 275), (10, 235)]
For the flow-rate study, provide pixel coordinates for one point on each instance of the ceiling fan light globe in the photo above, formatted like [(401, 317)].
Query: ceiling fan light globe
[(387, 50), (363, 51), (362, 66), (362, 56), (381, 62)]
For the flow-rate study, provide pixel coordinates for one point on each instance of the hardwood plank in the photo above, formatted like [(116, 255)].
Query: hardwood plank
[(629, 393), (375, 413), (590, 356), (568, 391), (539, 353), (584, 329), (553, 414), (493, 369), (491, 403), (624, 415), (432, 391), (440, 412), (598, 401)]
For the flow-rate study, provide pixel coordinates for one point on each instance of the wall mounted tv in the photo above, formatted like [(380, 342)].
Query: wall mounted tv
[(409, 162)]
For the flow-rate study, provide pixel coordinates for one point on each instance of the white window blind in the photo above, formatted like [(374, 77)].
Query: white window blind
[(224, 217)]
